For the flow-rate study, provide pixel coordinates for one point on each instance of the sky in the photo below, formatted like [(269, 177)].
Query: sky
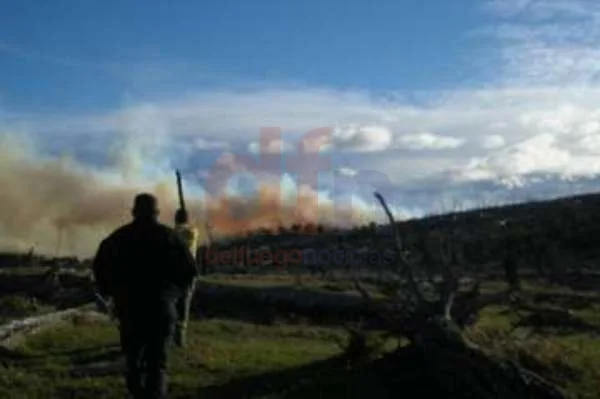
[(90, 55), (437, 104)]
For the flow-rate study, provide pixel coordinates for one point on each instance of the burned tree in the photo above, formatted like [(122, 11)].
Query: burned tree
[(429, 309)]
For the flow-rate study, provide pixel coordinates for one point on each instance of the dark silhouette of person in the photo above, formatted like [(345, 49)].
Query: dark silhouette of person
[(144, 267)]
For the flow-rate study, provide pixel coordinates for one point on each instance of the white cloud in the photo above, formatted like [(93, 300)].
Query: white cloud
[(319, 140), (537, 154), (428, 141), (472, 123), (274, 146), (547, 41), (492, 141), (202, 143), (347, 172), (366, 138), (542, 154)]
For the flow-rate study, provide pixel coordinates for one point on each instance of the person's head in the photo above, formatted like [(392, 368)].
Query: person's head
[(145, 207), (181, 216)]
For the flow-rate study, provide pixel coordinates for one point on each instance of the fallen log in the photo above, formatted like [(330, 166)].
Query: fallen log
[(15, 331)]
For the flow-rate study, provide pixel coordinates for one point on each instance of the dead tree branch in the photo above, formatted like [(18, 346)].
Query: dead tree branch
[(405, 266)]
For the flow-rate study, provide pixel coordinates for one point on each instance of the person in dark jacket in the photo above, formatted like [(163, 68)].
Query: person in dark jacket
[(145, 268)]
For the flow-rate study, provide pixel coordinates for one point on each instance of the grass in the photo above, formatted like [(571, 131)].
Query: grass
[(20, 306), (53, 364), (80, 358), (572, 361), (569, 358)]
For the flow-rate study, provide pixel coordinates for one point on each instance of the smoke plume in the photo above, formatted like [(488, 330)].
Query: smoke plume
[(62, 207)]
